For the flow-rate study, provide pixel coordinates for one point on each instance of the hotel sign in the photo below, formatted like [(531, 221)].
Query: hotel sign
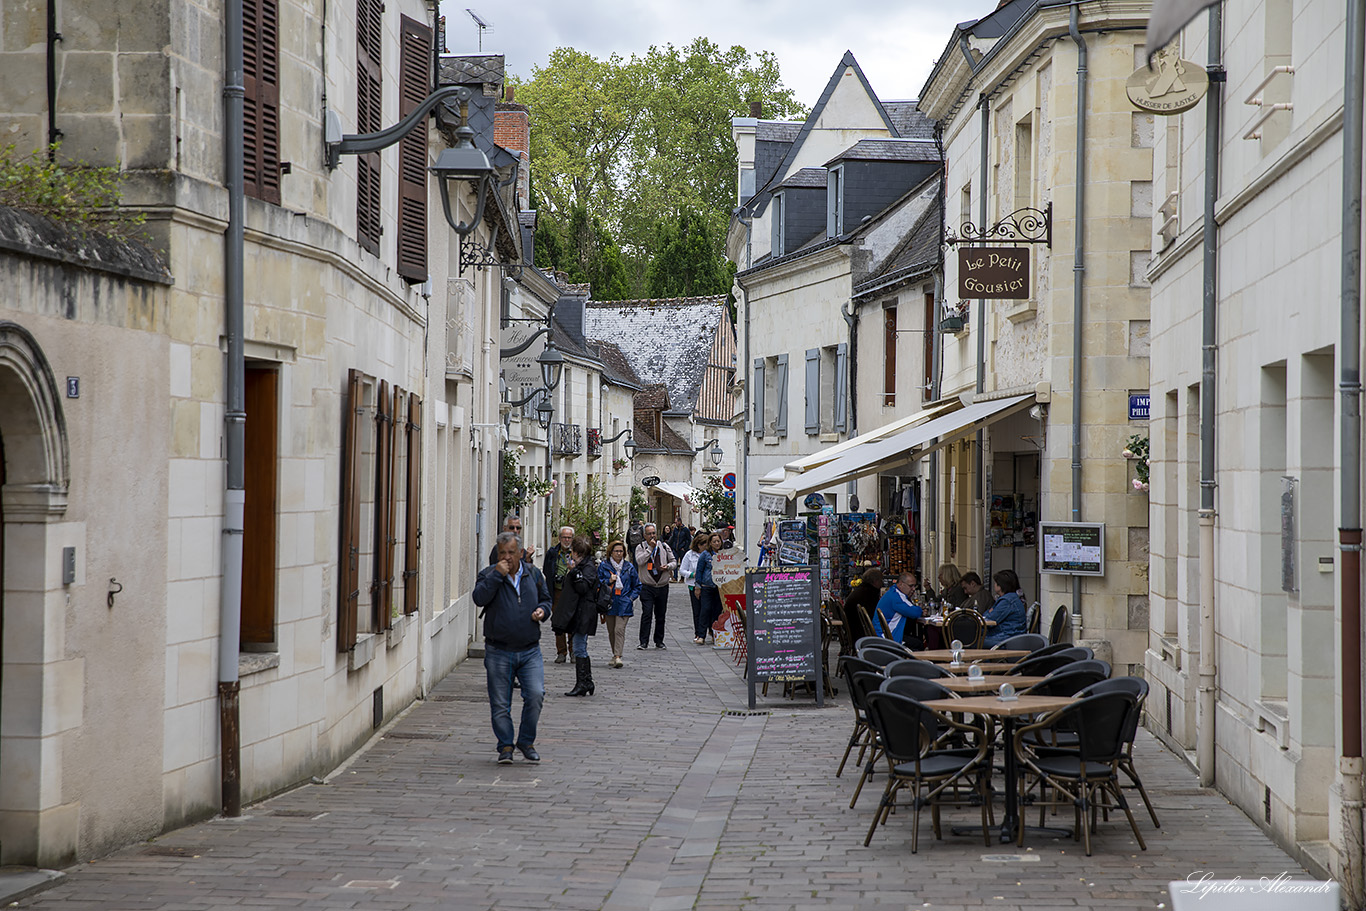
[(993, 273)]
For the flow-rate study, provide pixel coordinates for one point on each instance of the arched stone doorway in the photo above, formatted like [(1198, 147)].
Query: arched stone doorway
[(34, 483)]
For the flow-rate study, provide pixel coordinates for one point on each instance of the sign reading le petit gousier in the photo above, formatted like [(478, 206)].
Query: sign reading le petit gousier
[(993, 273)]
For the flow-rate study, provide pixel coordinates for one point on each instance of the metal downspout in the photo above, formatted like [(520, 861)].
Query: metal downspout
[(1349, 532), (1078, 277), (980, 474), (235, 421), (929, 508), (745, 539), (1205, 684), (53, 36)]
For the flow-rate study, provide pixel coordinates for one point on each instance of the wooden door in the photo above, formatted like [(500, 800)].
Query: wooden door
[(259, 525)]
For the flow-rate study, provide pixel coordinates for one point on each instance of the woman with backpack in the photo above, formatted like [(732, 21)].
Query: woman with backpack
[(576, 611), (621, 579)]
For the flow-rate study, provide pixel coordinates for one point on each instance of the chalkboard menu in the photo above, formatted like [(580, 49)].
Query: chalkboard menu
[(784, 628), (1072, 548)]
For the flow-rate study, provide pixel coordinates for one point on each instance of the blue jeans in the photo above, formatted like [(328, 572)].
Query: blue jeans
[(500, 667), (579, 645), (654, 600)]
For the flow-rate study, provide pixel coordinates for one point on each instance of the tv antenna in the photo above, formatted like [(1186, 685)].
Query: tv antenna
[(483, 24)]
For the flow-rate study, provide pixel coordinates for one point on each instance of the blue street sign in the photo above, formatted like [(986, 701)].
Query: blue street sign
[(1139, 406)]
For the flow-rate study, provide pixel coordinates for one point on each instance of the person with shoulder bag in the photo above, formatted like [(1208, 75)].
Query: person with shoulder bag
[(655, 564), (576, 612), (688, 570), (618, 575)]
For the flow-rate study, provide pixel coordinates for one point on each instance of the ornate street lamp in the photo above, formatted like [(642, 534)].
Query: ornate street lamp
[(716, 452)]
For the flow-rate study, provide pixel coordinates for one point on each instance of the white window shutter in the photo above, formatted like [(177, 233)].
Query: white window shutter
[(813, 390), (841, 384), (757, 418), (781, 422)]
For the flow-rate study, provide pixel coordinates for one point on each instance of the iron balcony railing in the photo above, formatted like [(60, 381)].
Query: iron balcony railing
[(568, 439)]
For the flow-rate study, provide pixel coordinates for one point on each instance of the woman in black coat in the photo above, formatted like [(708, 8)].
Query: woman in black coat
[(576, 611)]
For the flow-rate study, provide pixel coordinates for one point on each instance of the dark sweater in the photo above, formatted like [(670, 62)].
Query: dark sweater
[(507, 611)]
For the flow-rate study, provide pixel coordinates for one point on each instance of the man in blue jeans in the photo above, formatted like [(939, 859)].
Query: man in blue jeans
[(515, 599)]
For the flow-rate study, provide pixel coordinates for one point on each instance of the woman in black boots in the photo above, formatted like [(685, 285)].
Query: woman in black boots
[(576, 612)]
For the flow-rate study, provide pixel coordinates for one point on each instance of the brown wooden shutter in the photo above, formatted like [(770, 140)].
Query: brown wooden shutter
[(261, 105), (889, 357), (262, 465), (390, 512), (348, 568), (413, 534), (415, 61), (380, 527), (369, 118)]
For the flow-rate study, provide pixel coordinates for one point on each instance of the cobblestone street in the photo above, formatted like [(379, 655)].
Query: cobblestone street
[(657, 792)]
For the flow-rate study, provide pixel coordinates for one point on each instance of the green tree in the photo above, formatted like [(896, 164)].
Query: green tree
[(585, 510), (687, 262), (637, 144), (717, 509)]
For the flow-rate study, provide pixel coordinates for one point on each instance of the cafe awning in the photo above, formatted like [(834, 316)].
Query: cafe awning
[(830, 453), (679, 490), (908, 445)]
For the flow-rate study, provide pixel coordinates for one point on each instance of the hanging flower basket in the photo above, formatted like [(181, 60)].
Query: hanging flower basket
[(952, 324)]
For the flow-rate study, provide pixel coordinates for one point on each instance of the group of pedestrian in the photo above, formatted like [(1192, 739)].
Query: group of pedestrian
[(577, 592)]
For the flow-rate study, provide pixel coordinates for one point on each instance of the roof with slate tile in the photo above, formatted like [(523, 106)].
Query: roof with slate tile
[(887, 150), (472, 69), (615, 367), (806, 177), (909, 121), (918, 251), (665, 341)]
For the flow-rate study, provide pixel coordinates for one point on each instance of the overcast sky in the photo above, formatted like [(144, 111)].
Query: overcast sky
[(894, 41)]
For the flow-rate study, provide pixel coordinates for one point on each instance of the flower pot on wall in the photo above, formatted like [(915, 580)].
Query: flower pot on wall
[(952, 324)]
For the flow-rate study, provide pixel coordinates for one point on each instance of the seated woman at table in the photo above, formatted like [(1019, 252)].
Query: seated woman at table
[(1009, 611), (864, 595), (951, 586), (899, 609)]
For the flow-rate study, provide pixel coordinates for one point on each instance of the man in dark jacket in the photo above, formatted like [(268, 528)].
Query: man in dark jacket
[(513, 523), (555, 567), (679, 540), (515, 599)]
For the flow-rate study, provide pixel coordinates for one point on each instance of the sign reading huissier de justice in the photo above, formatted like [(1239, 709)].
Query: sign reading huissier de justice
[(993, 273)]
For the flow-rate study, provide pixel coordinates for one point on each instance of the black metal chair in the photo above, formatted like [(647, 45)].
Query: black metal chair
[(1090, 770), (914, 667), (1040, 667), (1030, 642), (862, 735), (1049, 649), (1034, 618), (919, 688), (881, 656), (1058, 627), (908, 731), (880, 642), (1066, 681), (1138, 688), (866, 682), (1092, 664), (965, 626)]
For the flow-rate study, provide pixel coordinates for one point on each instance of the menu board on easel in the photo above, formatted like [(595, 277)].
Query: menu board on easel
[(784, 628)]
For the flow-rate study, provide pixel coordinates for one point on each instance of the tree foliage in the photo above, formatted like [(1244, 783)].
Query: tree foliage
[(686, 260), (77, 196), (717, 509), (643, 146), (584, 250)]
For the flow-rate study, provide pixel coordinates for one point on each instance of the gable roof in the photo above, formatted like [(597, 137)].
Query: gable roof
[(918, 252), (615, 367), (808, 178), (909, 120), (665, 341)]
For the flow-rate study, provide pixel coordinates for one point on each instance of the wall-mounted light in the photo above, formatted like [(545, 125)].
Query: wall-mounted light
[(716, 452)]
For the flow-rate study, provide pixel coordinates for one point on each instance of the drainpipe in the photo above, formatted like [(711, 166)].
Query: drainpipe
[(1349, 534), (235, 423), (1205, 686), (749, 393), (979, 480), (53, 36), (1078, 278), (929, 506)]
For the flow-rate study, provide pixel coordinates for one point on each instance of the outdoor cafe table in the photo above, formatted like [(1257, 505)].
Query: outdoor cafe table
[(993, 706), (987, 683), (945, 655), (934, 628)]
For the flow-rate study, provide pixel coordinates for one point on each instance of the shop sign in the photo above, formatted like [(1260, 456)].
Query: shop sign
[(648, 482), (522, 369), (993, 273), (1140, 405), (1167, 85)]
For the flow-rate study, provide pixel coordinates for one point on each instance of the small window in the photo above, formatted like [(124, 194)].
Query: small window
[(777, 217), (889, 355), (834, 202)]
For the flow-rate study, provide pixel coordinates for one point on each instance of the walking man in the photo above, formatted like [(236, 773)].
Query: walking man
[(656, 563), (515, 600), (555, 568), (513, 523), (679, 539)]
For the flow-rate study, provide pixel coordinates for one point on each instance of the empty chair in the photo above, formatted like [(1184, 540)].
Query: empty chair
[(1085, 773), (1077, 653), (1092, 664), (888, 644), (880, 656), (966, 626), (1030, 642), (1066, 681), (862, 735), (1049, 649), (1058, 628), (867, 682), (914, 667), (1035, 616), (1138, 688), (917, 688), (1042, 666), (908, 732)]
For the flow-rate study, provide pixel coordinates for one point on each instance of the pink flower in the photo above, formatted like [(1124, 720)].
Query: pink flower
[(1138, 485)]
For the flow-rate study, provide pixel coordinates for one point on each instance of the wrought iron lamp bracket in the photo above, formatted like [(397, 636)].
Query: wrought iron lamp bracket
[(1023, 226)]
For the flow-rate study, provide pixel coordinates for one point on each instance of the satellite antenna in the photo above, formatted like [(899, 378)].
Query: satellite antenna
[(483, 24)]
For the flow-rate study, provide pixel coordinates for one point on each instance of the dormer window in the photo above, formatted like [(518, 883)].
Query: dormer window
[(777, 247), (834, 202)]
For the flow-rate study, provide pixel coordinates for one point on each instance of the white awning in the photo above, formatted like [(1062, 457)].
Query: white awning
[(830, 453), (906, 446), (679, 490), (773, 477)]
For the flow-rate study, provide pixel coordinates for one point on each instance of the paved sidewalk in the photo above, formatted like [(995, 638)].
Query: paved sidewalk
[(651, 796)]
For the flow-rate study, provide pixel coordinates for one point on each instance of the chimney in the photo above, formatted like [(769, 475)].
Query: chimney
[(512, 131), (756, 109)]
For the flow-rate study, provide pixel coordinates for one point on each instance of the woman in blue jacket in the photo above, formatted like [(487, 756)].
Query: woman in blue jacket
[(1009, 611), (623, 581), (710, 593)]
